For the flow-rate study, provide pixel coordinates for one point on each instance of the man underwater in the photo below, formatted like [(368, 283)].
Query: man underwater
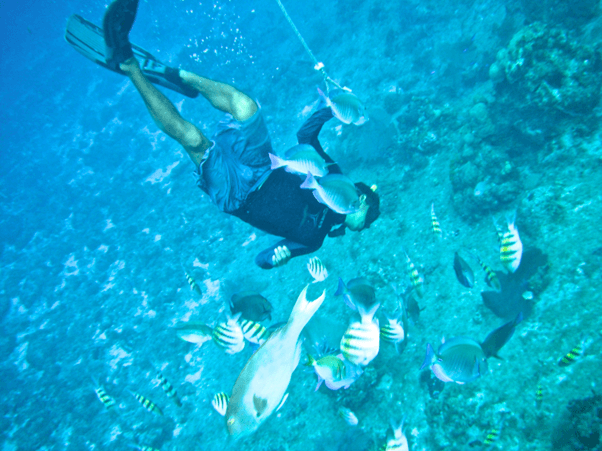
[(234, 166)]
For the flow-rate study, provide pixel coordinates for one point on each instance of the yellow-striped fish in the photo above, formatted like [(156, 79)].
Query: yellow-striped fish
[(220, 403), (253, 331), (361, 342), (393, 332), (107, 400), (228, 335), (143, 448), (539, 396), (147, 403), (511, 247), (491, 278), (492, 436), (396, 439), (193, 285), (348, 416), (415, 277), (435, 223), (572, 356), (168, 389)]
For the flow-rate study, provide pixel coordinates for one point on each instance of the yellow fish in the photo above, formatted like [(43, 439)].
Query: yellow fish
[(262, 383)]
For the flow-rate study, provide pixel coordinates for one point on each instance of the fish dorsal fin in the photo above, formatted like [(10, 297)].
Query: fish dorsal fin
[(260, 405)]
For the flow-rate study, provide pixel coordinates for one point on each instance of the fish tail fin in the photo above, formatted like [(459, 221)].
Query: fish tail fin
[(310, 182), (341, 289), (430, 355), (310, 360), (367, 315), (305, 309), (276, 161)]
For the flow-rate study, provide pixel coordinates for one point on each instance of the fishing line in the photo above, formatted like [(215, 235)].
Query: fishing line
[(317, 65)]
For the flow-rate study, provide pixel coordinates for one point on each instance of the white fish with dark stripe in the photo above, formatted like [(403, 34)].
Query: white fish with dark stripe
[(301, 159), (361, 342), (229, 335), (317, 269), (335, 191), (254, 332), (220, 403)]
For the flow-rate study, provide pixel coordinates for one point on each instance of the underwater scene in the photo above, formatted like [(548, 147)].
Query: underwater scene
[(395, 244)]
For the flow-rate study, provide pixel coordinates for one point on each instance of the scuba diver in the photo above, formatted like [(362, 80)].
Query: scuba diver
[(234, 166)]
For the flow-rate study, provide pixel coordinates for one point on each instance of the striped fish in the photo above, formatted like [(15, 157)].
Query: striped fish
[(220, 403), (348, 416), (107, 400), (229, 335), (539, 396), (491, 277), (511, 248), (193, 285), (415, 277), (253, 331), (492, 436), (361, 342), (572, 356), (317, 269), (143, 448), (435, 223), (396, 439), (393, 332), (147, 403), (168, 389)]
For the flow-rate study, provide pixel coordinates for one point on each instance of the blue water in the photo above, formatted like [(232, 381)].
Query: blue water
[(100, 213)]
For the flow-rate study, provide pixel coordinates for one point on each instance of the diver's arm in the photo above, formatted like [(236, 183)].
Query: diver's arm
[(309, 131), (264, 259)]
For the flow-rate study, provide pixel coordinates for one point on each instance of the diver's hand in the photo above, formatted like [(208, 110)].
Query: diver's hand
[(281, 256)]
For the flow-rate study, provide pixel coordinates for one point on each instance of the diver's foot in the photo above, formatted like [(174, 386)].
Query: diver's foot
[(117, 23), (130, 65)]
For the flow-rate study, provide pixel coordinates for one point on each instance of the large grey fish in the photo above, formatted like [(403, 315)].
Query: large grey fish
[(301, 159), (357, 291), (335, 191), (346, 106), (263, 381), (458, 360)]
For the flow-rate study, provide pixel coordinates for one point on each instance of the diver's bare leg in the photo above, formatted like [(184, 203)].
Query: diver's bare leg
[(222, 96), (165, 114)]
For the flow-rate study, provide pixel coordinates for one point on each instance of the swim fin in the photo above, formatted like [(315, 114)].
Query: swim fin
[(88, 39)]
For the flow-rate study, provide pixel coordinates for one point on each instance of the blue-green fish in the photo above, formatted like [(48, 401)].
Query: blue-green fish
[(335, 191), (194, 332), (458, 360), (346, 106), (301, 159), (329, 368)]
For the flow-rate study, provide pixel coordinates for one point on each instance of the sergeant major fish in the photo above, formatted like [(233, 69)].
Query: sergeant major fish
[(229, 336), (147, 403), (317, 269), (435, 223), (262, 383), (511, 247), (394, 332), (169, 390), (361, 342), (335, 191), (415, 277)]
